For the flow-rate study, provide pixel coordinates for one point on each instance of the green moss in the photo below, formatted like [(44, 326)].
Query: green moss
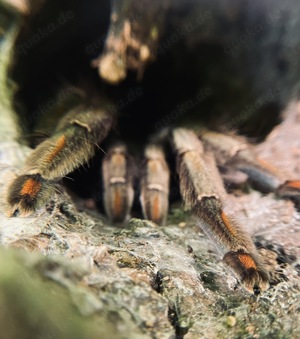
[(32, 307), (9, 27), (177, 215)]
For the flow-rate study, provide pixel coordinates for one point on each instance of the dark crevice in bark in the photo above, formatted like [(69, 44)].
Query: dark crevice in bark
[(178, 321)]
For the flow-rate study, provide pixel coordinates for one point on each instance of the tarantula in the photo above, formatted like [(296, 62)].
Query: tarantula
[(200, 153)]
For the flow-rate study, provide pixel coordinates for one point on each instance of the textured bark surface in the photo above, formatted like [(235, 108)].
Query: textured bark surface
[(66, 272)]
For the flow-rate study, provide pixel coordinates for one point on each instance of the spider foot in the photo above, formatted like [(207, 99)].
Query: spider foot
[(290, 190), (251, 273), (28, 193)]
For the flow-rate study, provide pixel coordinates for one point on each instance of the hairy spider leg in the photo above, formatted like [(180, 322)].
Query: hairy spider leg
[(154, 184), (118, 192), (72, 144), (200, 185), (237, 156)]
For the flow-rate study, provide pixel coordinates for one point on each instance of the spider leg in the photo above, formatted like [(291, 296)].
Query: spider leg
[(155, 180), (72, 144), (200, 186), (290, 190), (118, 192), (235, 154)]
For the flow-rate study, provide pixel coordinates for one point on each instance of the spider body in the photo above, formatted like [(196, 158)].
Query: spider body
[(91, 118)]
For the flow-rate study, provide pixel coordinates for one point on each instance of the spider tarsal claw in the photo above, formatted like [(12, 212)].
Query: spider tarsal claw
[(249, 270)]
